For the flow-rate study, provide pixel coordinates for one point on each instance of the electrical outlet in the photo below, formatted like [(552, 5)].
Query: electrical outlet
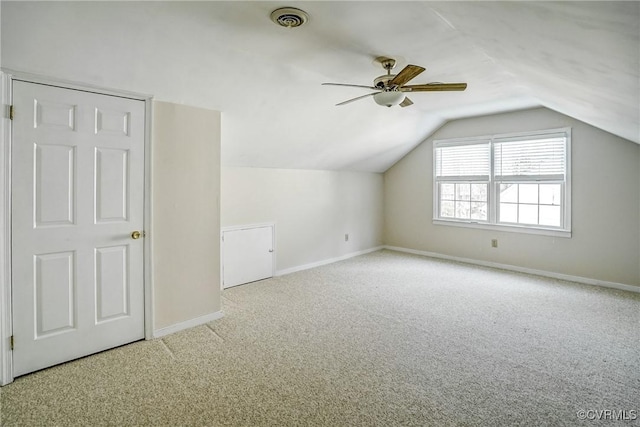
[(494, 243), (346, 237)]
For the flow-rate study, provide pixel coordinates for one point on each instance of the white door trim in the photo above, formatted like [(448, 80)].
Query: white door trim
[(6, 79), (6, 360)]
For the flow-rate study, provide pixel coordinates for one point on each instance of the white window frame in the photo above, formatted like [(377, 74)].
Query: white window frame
[(492, 199)]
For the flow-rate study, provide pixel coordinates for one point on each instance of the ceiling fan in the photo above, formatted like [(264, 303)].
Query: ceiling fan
[(391, 88)]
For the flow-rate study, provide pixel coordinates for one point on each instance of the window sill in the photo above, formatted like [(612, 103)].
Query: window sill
[(507, 228)]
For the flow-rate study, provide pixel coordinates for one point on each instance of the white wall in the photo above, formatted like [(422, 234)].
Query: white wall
[(605, 243), (312, 210), (185, 211)]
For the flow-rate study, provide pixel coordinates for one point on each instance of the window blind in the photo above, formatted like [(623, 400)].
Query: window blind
[(463, 161), (543, 158)]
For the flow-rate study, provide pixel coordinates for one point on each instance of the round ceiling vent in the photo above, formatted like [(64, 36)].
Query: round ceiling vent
[(289, 17)]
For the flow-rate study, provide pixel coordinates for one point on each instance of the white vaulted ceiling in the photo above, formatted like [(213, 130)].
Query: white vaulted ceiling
[(579, 58)]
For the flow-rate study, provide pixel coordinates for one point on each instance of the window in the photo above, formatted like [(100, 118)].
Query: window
[(520, 182)]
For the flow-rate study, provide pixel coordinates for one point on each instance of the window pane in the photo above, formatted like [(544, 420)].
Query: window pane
[(462, 210), (447, 209), (463, 191), (528, 193), (550, 215), (550, 194), (528, 214), (446, 191), (509, 193), (479, 211), (479, 192), (508, 212)]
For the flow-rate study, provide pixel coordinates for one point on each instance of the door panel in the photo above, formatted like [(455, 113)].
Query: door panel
[(247, 255), (54, 115), (55, 289), (115, 123), (112, 286), (112, 168), (77, 194), (54, 185)]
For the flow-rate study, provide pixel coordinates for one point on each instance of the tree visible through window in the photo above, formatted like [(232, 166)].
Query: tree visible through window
[(515, 180)]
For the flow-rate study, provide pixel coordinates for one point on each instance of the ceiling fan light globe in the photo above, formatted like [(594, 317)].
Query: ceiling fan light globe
[(388, 99)]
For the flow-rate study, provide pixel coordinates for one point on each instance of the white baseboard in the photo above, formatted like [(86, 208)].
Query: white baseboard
[(578, 279), (326, 261), (187, 324)]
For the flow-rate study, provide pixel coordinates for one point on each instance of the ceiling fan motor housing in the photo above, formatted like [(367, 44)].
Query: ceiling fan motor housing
[(382, 81)]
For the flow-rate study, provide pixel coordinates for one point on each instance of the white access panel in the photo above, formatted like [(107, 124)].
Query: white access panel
[(247, 255)]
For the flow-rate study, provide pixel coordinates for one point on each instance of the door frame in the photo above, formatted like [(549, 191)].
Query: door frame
[(6, 328)]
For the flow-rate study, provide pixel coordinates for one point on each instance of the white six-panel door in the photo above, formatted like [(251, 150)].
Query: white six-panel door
[(77, 196)]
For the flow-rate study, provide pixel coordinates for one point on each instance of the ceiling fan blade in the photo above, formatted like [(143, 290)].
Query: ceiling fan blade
[(434, 87), (348, 85), (406, 102), (407, 73), (355, 99)]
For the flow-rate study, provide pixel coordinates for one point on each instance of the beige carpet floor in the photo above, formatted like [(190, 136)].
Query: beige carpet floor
[(385, 339)]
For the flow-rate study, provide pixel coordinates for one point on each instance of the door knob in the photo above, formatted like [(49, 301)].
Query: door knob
[(136, 235)]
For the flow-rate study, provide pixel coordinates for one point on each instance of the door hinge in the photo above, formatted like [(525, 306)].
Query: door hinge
[(11, 342), (10, 112)]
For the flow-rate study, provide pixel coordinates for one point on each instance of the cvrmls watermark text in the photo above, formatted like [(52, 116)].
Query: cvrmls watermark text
[(607, 414)]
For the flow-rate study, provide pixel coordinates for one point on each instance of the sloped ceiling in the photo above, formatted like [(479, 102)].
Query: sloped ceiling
[(579, 58)]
